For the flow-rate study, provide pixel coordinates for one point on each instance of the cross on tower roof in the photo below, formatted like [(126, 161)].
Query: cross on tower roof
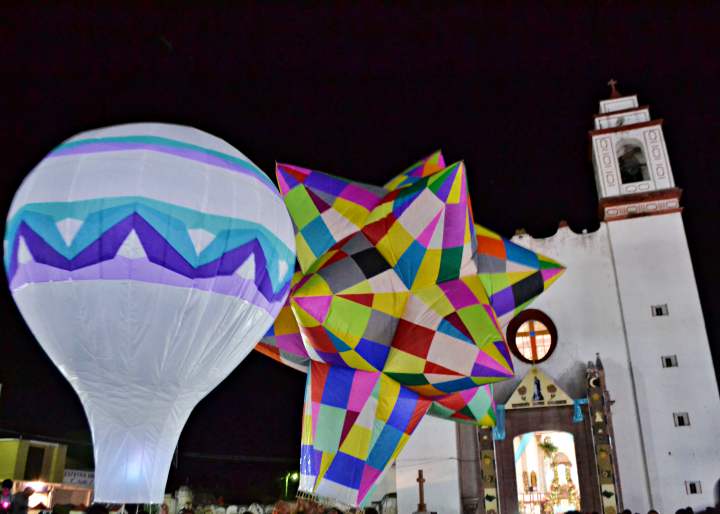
[(614, 93)]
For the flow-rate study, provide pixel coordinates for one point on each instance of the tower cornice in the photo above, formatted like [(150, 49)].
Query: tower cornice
[(635, 205), (625, 128)]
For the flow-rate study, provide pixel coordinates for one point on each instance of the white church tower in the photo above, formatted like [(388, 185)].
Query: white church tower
[(671, 369)]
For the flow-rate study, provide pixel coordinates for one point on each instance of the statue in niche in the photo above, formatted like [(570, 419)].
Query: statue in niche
[(537, 391)]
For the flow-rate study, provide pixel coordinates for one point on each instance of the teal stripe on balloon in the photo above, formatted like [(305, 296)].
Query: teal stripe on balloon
[(173, 146), (171, 221)]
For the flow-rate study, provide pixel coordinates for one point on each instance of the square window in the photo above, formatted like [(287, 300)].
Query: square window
[(669, 361), (681, 419), (660, 310), (694, 487)]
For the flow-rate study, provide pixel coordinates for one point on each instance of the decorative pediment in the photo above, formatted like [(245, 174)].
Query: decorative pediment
[(537, 389)]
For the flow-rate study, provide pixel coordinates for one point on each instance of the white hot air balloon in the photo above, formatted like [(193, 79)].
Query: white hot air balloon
[(147, 259)]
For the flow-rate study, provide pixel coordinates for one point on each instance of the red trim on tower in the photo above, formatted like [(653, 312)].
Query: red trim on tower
[(625, 128), (636, 205)]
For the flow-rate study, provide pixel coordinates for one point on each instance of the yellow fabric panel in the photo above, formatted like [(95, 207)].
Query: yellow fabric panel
[(359, 288), (394, 243), (285, 322), (314, 286), (354, 213), (325, 462), (389, 392), (305, 256), (482, 231), (399, 361), (429, 269), (357, 442), (476, 286), (391, 303), (491, 351), (516, 276), (352, 359), (458, 182), (379, 212), (392, 185), (435, 299)]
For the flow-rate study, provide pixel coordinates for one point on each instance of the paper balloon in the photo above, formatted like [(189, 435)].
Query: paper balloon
[(148, 260), (397, 312)]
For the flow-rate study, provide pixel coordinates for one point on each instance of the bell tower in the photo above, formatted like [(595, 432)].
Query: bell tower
[(673, 390), (632, 169)]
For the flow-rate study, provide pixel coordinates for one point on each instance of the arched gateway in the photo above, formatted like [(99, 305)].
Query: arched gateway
[(549, 452)]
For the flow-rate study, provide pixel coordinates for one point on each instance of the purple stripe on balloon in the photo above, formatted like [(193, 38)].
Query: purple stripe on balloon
[(454, 233), (186, 153), (485, 371), (484, 360), (447, 183), (549, 273), (292, 344), (158, 251), (503, 301), (122, 268), (503, 349), (310, 459), (326, 183), (356, 194)]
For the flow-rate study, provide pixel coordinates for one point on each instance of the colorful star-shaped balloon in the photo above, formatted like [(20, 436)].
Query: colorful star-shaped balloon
[(396, 310)]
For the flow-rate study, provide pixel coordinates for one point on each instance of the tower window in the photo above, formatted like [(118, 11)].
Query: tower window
[(694, 487), (632, 162), (681, 419), (669, 361), (660, 310)]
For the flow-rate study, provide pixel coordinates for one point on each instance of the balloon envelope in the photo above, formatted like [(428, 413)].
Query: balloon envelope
[(147, 259)]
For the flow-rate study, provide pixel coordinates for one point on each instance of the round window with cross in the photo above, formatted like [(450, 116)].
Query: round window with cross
[(532, 336)]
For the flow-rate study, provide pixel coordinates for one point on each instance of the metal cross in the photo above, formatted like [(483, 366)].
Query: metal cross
[(614, 93)]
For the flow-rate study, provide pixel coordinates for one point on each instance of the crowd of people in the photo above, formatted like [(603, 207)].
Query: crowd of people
[(14, 503), (686, 510), (18, 504), (306, 506)]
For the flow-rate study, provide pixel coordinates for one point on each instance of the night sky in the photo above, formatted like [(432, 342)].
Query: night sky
[(361, 92)]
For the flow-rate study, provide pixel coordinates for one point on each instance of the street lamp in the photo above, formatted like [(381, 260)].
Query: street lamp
[(290, 475)]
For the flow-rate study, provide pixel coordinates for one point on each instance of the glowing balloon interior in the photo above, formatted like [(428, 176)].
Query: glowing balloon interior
[(148, 260)]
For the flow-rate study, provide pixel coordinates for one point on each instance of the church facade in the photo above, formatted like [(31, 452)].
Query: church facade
[(615, 402)]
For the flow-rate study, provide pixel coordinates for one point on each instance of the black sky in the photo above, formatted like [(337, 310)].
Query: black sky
[(361, 91)]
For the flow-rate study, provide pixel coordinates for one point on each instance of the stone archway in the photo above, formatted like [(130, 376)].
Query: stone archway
[(521, 421)]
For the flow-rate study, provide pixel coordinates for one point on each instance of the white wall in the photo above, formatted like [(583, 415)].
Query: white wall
[(654, 267), (384, 485), (432, 448), (583, 304)]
